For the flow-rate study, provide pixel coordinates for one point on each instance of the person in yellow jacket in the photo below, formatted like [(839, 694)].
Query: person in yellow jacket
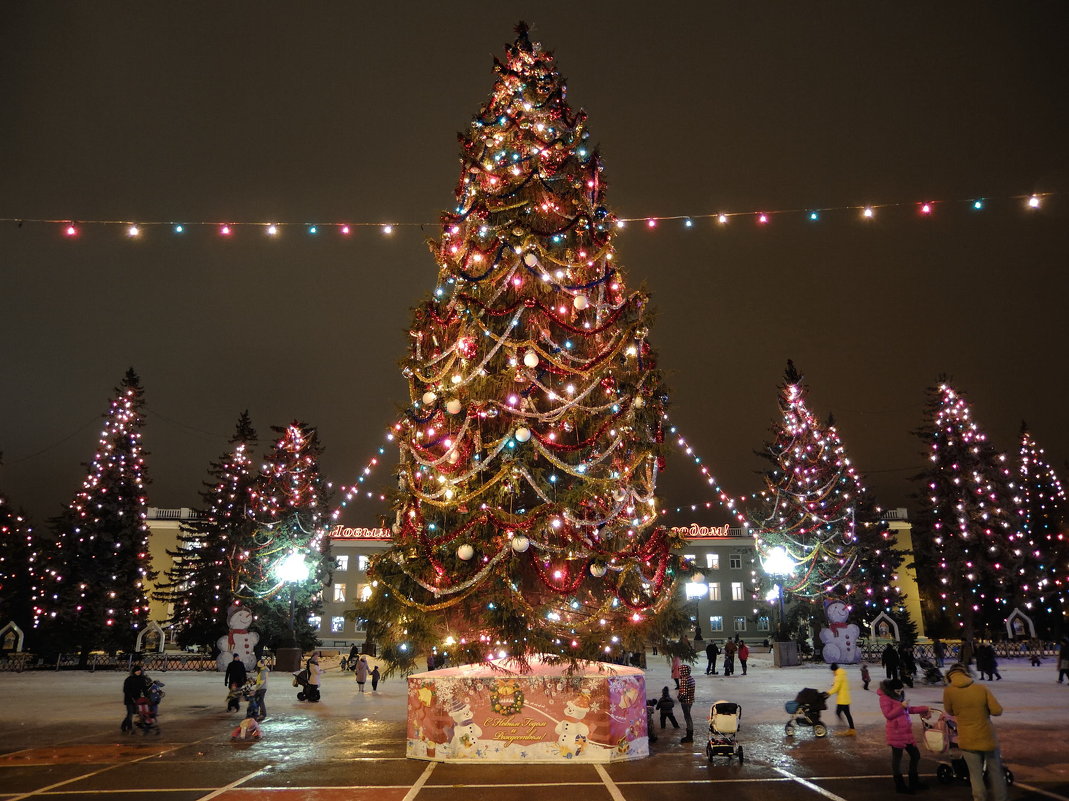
[(840, 688), (973, 705)]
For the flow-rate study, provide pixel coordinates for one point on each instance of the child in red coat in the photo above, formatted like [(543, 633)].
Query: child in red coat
[(899, 730)]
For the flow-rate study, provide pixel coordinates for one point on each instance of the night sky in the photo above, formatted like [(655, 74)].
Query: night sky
[(347, 112)]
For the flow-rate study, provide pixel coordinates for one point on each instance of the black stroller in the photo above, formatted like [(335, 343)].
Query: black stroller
[(724, 717), (930, 673), (148, 708), (805, 710)]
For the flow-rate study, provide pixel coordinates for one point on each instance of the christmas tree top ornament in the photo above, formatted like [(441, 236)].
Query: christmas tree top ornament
[(526, 516)]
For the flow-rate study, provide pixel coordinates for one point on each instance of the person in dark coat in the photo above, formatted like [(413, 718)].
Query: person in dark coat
[(890, 661), (712, 651), (1063, 660), (374, 674), (135, 686), (986, 662), (236, 673), (665, 705), (907, 665)]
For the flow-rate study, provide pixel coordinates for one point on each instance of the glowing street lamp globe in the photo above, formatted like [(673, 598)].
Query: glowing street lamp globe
[(292, 568), (777, 562)]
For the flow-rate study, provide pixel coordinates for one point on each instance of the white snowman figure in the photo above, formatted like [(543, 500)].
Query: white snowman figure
[(238, 640), (466, 734), (840, 637), (571, 732)]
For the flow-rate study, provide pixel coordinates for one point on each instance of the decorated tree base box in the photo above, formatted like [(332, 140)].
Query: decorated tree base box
[(492, 713)]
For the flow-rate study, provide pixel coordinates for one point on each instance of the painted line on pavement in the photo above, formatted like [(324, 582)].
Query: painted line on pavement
[(414, 791), (231, 786), (614, 791), (811, 786), (105, 769), (1032, 789)]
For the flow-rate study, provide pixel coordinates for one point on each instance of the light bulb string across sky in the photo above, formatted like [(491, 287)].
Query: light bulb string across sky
[(134, 229)]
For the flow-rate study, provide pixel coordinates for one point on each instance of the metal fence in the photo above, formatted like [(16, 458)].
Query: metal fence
[(157, 662), (872, 650)]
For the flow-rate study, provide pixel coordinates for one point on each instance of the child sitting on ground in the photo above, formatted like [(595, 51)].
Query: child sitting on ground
[(248, 729)]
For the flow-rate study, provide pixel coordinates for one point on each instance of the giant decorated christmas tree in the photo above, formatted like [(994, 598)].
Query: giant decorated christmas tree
[(526, 516)]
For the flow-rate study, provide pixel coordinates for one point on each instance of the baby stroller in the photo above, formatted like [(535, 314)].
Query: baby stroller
[(148, 706), (931, 674), (940, 736), (308, 692), (724, 717), (805, 710)]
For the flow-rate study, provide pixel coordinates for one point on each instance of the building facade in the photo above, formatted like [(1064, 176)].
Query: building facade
[(721, 605)]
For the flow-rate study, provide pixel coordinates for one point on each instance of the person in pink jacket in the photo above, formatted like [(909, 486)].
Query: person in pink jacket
[(899, 730)]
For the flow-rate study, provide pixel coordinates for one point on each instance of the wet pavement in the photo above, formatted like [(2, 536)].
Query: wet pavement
[(59, 739)]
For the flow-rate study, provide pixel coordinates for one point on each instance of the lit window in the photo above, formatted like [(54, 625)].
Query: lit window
[(714, 591), (339, 592), (740, 624), (716, 623), (762, 623), (736, 591), (314, 621), (712, 561), (361, 563), (736, 561), (361, 626), (342, 562), (337, 625), (363, 591), (695, 590)]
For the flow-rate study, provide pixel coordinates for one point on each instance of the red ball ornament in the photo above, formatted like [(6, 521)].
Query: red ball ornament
[(662, 463)]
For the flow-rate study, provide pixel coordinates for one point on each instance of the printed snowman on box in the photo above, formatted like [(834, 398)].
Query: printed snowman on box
[(466, 734), (238, 640), (571, 732), (840, 637)]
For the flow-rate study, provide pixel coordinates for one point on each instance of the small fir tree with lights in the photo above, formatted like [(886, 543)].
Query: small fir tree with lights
[(209, 560), (1045, 535), (525, 516), (93, 591), (808, 507), (874, 586), (287, 508), (18, 560), (965, 528)]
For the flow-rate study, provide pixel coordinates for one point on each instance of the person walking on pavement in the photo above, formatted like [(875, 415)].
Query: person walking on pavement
[(973, 705), (712, 651), (361, 672), (234, 679), (940, 652), (986, 662), (899, 731), (258, 704), (840, 688), (744, 654), (676, 664), (665, 705), (890, 661), (865, 677), (729, 657), (133, 687), (374, 679), (966, 652), (686, 700), (315, 677), (1063, 660)]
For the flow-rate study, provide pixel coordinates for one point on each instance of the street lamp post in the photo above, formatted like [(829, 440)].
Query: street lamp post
[(292, 569)]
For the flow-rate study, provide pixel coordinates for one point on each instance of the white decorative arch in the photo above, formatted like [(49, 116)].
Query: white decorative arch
[(20, 637), (152, 626), (1019, 615), (883, 617)]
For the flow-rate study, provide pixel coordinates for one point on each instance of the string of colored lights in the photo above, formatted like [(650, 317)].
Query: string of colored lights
[(132, 229)]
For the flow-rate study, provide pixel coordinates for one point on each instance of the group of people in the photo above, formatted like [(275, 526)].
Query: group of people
[(732, 648)]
